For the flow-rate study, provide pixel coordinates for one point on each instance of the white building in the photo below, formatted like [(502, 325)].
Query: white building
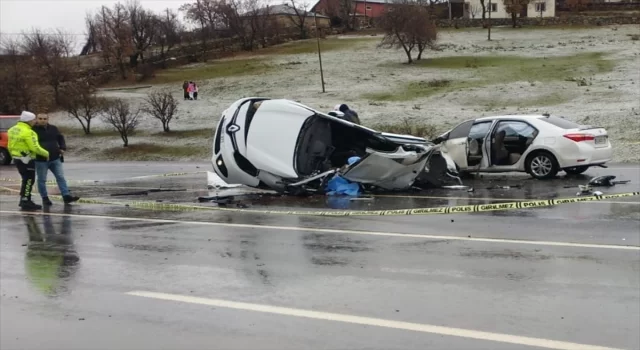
[(536, 8)]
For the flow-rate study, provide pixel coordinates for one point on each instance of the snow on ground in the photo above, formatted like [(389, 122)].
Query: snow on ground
[(611, 101)]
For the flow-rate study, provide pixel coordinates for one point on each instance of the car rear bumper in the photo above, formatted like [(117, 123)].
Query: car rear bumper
[(595, 156)]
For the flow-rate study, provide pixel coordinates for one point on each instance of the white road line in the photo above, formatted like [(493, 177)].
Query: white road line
[(370, 321), (353, 232)]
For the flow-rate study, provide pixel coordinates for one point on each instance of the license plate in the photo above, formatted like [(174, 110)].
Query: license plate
[(601, 140)]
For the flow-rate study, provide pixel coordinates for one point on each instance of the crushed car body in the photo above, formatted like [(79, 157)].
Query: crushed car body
[(288, 147)]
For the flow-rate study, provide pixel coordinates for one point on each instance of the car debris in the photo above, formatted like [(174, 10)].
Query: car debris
[(285, 146), (606, 181), (146, 192), (587, 190)]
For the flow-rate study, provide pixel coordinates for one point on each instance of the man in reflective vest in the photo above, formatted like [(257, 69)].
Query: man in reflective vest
[(23, 146)]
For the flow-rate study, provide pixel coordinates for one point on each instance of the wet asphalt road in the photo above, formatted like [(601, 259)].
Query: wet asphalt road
[(65, 273)]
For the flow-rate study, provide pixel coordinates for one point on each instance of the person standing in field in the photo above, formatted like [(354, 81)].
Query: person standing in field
[(185, 90)]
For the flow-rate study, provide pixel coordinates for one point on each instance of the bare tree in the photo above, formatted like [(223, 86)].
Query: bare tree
[(205, 14), (484, 10), (82, 103), (91, 44), (239, 21), (114, 36), (299, 16), (168, 33), (408, 25), (120, 116), (142, 24), (262, 22), (423, 29), (474, 10), (19, 79), (514, 8), (162, 106), (51, 53)]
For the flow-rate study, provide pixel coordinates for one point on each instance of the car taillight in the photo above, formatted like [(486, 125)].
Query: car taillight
[(580, 137)]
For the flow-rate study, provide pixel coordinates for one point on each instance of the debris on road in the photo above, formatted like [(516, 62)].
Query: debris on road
[(606, 181)]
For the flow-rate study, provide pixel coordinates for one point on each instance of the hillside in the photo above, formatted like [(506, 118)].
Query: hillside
[(587, 75)]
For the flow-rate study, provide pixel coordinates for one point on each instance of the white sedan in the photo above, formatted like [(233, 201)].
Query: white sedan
[(541, 145)]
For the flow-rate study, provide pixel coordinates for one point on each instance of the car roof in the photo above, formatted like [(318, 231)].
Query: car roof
[(513, 116)]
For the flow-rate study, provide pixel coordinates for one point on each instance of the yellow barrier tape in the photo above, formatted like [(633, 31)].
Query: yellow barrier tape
[(478, 208), (54, 182)]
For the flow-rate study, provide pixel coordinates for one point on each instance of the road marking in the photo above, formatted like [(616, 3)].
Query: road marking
[(484, 199), (370, 321), (326, 230)]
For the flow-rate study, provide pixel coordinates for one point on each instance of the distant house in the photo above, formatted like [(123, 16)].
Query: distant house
[(287, 16), (536, 8), (368, 8)]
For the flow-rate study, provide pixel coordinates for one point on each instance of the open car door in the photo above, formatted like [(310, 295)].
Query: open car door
[(456, 146)]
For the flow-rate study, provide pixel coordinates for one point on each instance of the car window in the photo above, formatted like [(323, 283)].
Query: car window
[(560, 122), (7, 123), (461, 130), (515, 129), (480, 130)]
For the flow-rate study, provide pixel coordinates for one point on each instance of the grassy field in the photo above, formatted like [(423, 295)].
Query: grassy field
[(490, 70), (211, 70), (246, 63)]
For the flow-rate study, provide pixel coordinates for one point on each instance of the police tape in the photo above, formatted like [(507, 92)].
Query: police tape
[(460, 209), (54, 182)]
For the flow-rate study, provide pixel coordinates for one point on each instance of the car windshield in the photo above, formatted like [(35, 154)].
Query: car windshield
[(560, 122)]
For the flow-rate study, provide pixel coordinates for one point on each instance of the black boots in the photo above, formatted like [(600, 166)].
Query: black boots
[(28, 204), (46, 201), (70, 199)]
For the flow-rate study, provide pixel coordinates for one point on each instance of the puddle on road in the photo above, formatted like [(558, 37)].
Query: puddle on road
[(51, 260)]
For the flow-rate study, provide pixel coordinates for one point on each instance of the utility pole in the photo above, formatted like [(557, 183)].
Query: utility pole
[(315, 18), (489, 25)]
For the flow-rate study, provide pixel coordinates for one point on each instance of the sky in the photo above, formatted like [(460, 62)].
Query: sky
[(17, 16)]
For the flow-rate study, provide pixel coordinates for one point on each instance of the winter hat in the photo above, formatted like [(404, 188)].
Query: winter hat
[(27, 116)]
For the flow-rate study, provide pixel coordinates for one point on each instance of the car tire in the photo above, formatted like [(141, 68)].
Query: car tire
[(576, 170), (5, 157), (542, 165)]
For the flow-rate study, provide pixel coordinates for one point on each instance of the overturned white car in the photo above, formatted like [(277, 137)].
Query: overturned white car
[(288, 147)]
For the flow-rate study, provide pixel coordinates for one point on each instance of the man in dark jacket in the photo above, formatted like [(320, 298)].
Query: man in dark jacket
[(349, 114), (52, 140)]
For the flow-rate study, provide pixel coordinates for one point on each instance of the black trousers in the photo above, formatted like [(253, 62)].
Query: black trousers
[(28, 173)]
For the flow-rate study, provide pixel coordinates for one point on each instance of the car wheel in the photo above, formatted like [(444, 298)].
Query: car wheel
[(576, 170), (5, 158), (542, 165)]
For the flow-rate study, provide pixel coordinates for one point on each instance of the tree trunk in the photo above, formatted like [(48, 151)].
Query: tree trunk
[(125, 139), (514, 19), (408, 52), (165, 126), (56, 93)]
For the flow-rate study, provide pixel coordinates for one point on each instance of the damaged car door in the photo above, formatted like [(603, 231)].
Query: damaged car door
[(391, 171)]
